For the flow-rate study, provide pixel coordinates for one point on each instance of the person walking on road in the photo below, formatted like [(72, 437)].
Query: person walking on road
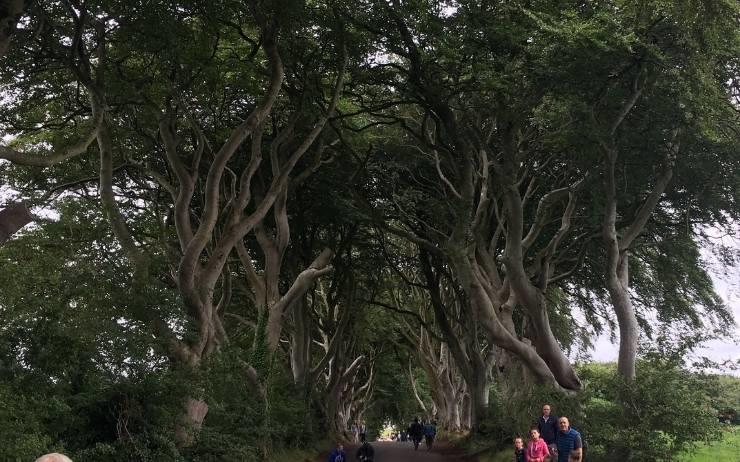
[(430, 431), (416, 431), (363, 431), (570, 444), (365, 453)]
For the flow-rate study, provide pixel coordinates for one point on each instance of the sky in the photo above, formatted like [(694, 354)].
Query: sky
[(726, 282)]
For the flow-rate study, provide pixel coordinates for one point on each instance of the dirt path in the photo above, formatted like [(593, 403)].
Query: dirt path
[(404, 452)]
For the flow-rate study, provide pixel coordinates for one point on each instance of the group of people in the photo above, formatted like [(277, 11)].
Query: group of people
[(359, 431), (365, 453), (551, 440), (424, 429)]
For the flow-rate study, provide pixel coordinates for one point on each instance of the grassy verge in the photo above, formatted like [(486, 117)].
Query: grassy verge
[(478, 446), (307, 454), (727, 449)]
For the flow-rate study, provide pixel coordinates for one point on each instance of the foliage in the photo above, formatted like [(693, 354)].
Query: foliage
[(724, 392), (662, 414), (450, 110)]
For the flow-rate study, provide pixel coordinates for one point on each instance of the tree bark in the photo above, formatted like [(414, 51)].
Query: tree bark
[(12, 219), (10, 13), (617, 247), (191, 421)]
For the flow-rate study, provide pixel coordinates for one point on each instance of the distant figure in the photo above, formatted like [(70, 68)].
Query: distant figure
[(363, 431), (416, 431), (430, 431), (365, 453), (54, 457), (337, 455)]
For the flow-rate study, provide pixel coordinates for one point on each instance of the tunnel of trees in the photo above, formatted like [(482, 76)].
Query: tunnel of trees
[(245, 225)]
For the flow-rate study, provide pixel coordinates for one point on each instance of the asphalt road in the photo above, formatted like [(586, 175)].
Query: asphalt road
[(404, 452)]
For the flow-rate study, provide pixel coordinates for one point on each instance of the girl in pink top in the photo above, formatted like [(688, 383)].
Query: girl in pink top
[(536, 448)]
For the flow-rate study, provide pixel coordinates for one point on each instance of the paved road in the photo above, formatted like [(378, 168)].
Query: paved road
[(404, 452)]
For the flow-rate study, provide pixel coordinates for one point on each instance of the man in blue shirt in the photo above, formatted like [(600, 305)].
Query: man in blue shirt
[(570, 444), (430, 431)]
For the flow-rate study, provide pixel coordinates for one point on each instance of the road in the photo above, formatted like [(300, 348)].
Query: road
[(404, 452)]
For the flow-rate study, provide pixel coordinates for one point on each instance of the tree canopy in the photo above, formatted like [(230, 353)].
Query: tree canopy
[(254, 223)]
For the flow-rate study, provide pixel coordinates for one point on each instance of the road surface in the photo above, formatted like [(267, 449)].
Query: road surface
[(404, 452)]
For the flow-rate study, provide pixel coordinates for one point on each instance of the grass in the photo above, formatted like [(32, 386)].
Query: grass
[(300, 455), (728, 449), (480, 447)]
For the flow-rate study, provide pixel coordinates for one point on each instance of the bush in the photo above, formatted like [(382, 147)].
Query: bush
[(514, 414), (664, 412)]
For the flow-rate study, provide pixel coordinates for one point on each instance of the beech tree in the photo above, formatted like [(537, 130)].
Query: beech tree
[(349, 211)]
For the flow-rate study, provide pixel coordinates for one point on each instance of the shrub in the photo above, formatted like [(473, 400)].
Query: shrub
[(664, 412)]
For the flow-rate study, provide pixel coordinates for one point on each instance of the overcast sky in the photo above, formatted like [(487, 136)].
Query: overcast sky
[(727, 284)]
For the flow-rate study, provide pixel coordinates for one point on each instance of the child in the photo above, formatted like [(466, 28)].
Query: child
[(519, 450), (537, 447), (338, 454)]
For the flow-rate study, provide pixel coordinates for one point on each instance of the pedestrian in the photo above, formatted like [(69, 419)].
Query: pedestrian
[(365, 453), (547, 424), (338, 454), (519, 452), (536, 448), (416, 432), (570, 444), (430, 431), (363, 431)]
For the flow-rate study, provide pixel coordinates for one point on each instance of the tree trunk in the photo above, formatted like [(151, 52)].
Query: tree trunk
[(12, 219), (467, 411), (10, 13), (300, 343), (479, 400), (629, 330), (191, 421), (618, 245)]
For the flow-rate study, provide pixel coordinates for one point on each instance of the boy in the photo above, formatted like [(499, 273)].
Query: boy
[(519, 450), (338, 454)]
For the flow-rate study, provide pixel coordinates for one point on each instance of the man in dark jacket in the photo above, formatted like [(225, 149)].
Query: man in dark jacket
[(365, 453), (548, 426), (416, 432)]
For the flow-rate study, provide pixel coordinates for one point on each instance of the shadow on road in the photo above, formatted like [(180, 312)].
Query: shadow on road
[(404, 452)]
